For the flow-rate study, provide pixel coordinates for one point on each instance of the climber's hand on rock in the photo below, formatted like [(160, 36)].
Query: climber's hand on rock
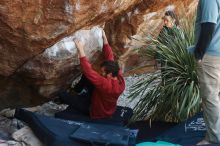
[(80, 48), (78, 44), (105, 41)]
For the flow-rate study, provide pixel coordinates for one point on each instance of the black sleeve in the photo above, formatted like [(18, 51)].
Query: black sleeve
[(207, 30)]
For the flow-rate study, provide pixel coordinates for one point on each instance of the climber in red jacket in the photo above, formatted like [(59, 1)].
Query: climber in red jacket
[(97, 93)]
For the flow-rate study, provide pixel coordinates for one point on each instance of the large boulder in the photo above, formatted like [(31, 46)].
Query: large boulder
[(36, 38), (58, 65), (28, 27), (130, 31)]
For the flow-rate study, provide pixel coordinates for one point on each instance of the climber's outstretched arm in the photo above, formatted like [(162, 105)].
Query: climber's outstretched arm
[(107, 50), (80, 48)]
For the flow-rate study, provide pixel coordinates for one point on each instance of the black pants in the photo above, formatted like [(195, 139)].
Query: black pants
[(81, 100)]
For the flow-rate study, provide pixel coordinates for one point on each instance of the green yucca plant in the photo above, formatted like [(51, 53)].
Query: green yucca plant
[(172, 95)]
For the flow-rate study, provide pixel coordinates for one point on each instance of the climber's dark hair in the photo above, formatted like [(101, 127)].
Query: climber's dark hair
[(110, 67)]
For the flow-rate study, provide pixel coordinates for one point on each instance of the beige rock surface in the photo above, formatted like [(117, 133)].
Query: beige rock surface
[(26, 136), (29, 27), (35, 37)]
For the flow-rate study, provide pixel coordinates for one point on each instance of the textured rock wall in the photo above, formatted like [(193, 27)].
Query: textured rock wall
[(28, 27), (130, 30), (36, 36), (58, 66)]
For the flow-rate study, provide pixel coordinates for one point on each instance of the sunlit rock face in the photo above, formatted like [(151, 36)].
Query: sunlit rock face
[(132, 29), (36, 36), (58, 65), (28, 27)]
